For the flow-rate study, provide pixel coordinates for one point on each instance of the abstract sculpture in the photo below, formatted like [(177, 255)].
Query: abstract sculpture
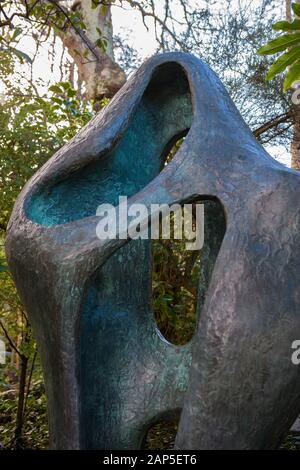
[(109, 374)]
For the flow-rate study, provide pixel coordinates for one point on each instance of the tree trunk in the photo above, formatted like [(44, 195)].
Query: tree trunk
[(96, 68), (295, 145), (288, 10)]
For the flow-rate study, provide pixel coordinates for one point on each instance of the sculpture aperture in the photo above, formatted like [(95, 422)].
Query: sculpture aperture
[(108, 372)]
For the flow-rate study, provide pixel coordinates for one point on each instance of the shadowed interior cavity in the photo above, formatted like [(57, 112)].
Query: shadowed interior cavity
[(164, 112)]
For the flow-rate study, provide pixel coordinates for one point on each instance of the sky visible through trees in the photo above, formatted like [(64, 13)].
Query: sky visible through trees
[(140, 39)]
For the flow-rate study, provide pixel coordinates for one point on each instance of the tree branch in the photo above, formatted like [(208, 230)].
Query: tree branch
[(8, 19), (151, 14), (278, 133), (77, 30), (274, 122), (10, 340)]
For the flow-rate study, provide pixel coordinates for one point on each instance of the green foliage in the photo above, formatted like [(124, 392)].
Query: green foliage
[(102, 43), (35, 432), (287, 25), (174, 285), (161, 436), (296, 8), (42, 17), (292, 75), (175, 279), (283, 62), (32, 128), (291, 58), (280, 44), (77, 20)]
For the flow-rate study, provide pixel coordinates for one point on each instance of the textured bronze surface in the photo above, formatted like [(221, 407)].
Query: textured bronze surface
[(109, 374)]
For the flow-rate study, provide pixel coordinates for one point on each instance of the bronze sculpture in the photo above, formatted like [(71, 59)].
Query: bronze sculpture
[(108, 372)]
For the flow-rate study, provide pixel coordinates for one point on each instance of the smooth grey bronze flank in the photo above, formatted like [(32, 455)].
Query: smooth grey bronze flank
[(108, 372)]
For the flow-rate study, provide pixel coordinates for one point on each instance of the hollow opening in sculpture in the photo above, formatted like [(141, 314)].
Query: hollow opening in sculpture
[(127, 373), (180, 275), (175, 281), (161, 435)]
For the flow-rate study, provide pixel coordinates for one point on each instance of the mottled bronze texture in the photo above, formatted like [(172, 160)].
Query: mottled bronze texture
[(109, 374)]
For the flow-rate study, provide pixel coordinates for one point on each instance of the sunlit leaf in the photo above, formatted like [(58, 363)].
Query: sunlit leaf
[(286, 25), (283, 62), (280, 44), (55, 89), (292, 76), (21, 55), (296, 8)]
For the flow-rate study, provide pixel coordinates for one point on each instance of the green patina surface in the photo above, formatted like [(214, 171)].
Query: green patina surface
[(129, 375)]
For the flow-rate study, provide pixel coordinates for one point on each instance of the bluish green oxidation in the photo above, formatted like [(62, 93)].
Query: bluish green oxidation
[(136, 160), (129, 375), (95, 330)]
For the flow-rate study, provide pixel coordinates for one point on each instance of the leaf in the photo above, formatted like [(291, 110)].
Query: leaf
[(57, 100), (286, 25), (94, 4), (103, 10), (55, 89), (66, 85), (101, 43), (280, 44), (3, 265), (71, 93), (21, 55), (296, 8), (292, 76), (18, 30), (283, 62)]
